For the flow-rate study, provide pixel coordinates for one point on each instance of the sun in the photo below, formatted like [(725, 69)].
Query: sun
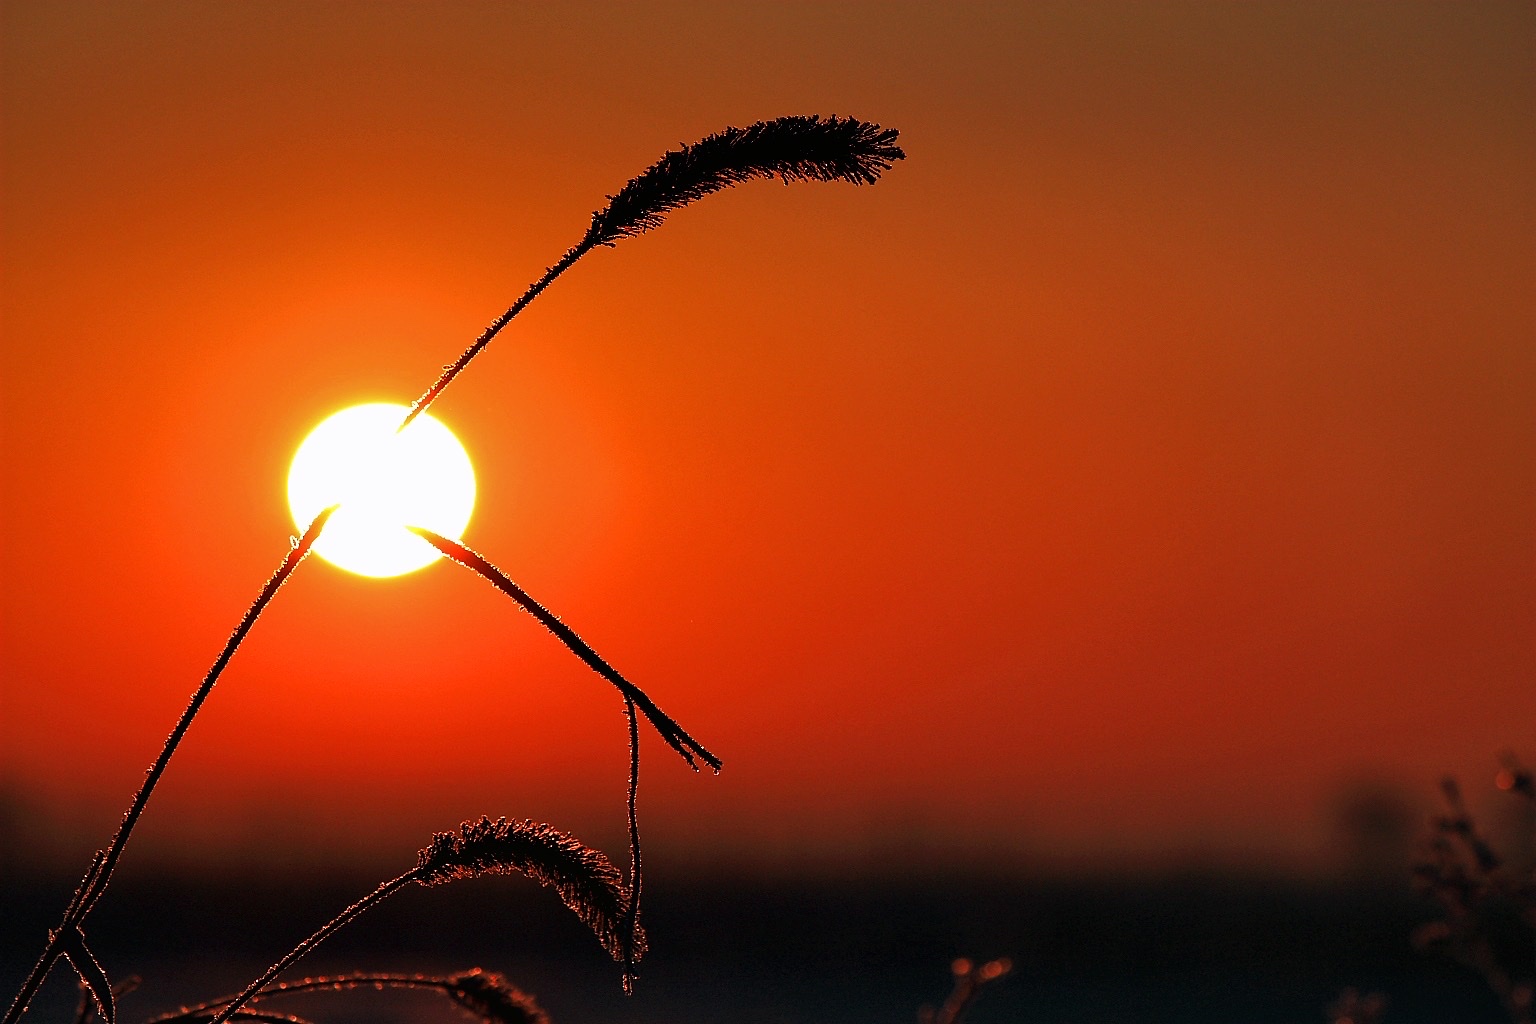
[(384, 479)]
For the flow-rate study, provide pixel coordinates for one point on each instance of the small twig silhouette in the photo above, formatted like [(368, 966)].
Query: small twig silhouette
[(795, 148), (488, 996), (105, 861), (585, 880)]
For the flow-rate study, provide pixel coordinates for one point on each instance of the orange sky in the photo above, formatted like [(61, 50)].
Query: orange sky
[(1150, 455)]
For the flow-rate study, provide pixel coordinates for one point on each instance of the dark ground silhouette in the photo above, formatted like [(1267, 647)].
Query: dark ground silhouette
[(745, 950)]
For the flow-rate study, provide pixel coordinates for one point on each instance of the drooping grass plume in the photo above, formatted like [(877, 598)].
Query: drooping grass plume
[(105, 861), (492, 999), (584, 879), (488, 996), (1487, 901), (676, 737), (794, 148), (800, 148)]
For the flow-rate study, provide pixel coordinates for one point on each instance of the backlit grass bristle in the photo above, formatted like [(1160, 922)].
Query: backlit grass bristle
[(493, 999), (794, 148), (585, 880)]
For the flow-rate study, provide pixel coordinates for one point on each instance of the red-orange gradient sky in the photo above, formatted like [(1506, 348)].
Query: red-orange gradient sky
[(1150, 455)]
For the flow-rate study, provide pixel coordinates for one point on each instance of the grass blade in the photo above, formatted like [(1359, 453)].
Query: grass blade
[(91, 975), (676, 738)]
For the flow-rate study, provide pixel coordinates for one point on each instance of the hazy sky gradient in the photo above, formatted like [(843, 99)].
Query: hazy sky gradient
[(1149, 456)]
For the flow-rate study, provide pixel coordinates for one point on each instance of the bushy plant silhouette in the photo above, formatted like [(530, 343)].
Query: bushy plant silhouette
[(796, 148), (1486, 897)]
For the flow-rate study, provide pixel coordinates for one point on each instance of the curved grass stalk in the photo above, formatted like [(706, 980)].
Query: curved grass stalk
[(794, 148), (259, 1016), (490, 996), (632, 926), (325, 983), (790, 148), (326, 930), (586, 882)]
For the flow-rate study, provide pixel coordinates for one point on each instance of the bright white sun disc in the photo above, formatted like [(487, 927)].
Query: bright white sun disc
[(384, 479)]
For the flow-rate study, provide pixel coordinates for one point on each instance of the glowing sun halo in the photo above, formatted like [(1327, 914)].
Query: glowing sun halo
[(384, 481)]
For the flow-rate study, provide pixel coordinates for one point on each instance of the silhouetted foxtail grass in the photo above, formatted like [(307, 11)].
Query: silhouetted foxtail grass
[(493, 999), (798, 148), (795, 148), (669, 730), (584, 879)]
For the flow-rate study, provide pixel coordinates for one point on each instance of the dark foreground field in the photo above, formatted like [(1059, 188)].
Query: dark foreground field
[(1185, 949)]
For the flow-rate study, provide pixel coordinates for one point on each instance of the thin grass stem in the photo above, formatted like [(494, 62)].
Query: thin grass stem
[(296, 554), (267, 1017), (676, 737), (320, 984), (446, 377), (105, 861), (326, 930), (203, 1015), (467, 989), (795, 148), (632, 925)]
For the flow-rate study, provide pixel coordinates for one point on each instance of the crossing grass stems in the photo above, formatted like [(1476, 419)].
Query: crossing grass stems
[(791, 149)]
